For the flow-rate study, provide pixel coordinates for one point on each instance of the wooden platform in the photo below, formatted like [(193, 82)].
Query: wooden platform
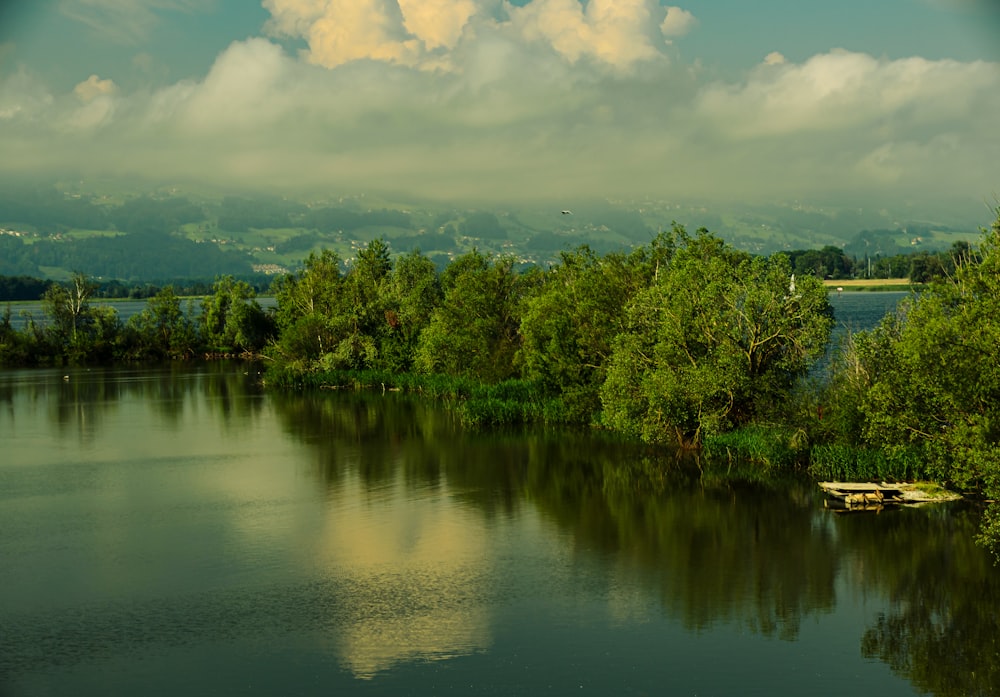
[(869, 496)]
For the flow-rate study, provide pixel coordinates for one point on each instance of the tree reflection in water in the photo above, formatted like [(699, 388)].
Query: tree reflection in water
[(717, 550), (718, 546), (941, 631)]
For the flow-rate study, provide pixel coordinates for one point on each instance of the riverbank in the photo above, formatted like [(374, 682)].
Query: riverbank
[(870, 284)]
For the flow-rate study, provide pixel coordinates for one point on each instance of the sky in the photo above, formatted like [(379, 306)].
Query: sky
[(775, 100)]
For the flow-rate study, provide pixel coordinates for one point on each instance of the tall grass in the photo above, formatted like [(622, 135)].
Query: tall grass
[(477, 404), (770, 446), (835, 462)]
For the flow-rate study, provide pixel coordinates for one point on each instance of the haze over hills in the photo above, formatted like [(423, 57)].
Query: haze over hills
[(161, 233), (171, 233)]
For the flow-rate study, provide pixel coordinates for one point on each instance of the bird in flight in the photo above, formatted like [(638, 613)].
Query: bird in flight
[(567, 212)]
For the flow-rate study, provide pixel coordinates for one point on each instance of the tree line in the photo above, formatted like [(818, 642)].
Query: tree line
[(75, 330), (830, 262)]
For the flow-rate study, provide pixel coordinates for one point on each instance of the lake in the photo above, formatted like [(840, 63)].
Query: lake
[(183, 530)]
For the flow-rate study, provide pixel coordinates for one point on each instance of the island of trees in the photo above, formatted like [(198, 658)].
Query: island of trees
[(684, 342)]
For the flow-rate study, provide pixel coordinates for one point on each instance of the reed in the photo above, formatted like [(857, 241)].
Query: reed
[(762, 445), (838, 462)]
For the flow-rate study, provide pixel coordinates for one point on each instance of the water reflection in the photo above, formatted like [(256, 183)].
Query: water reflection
[(716, 548), (78, 400), (939, 630), (185, 509)]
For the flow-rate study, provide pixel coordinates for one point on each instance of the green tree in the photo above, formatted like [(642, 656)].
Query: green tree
[(414, 290), (232, 319), (360, 317), (474, 331), (162, 329), (15, 346), (570, 322), (68, 307), (307, 302), (78, 331), (717, 340), (934, 386)]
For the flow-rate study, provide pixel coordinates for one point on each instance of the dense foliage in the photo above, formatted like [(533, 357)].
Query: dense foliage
[(681, 339), (712, 343), (74, 329), (925, 384)]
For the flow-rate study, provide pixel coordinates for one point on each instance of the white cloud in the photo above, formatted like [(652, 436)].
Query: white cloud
[(842, 91), (678, 22), (533, 107), (23, 98), (245, 88)]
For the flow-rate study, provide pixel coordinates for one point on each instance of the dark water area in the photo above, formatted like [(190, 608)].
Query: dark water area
[(186, 531), (859, 311)]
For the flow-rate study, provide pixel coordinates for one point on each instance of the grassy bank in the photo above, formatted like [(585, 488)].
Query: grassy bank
[(477, 404), (871, 284)]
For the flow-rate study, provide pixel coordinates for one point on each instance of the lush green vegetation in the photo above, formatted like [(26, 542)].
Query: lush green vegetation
[(685, 342), (73, 329), (924, 386)]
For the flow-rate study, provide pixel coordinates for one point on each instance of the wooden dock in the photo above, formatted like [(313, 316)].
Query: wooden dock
[(869, 496)]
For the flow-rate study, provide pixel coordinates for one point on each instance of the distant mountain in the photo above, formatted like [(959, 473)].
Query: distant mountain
[(51, 231)]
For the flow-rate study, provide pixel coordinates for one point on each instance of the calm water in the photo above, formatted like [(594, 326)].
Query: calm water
[(183, 531)]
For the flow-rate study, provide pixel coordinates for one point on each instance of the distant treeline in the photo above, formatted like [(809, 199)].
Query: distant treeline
[(827, 263), (919, 266), (16, 288)]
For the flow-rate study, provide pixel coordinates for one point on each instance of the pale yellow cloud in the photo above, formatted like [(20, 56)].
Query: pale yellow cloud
[(437, 23), (94, 87), (774, 58), (423, 33), (342, 31), (618, 33)]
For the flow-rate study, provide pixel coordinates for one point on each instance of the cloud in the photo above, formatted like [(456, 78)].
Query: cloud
[(437, 23), (23, 98), (617, 33), (341, 31), (678, 22), (245, 88), (93, 87), (126, 21), (423, 33), (843, 91), (528, 107)]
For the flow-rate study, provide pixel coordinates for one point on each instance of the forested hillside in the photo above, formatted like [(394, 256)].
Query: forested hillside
[(51, 232)]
